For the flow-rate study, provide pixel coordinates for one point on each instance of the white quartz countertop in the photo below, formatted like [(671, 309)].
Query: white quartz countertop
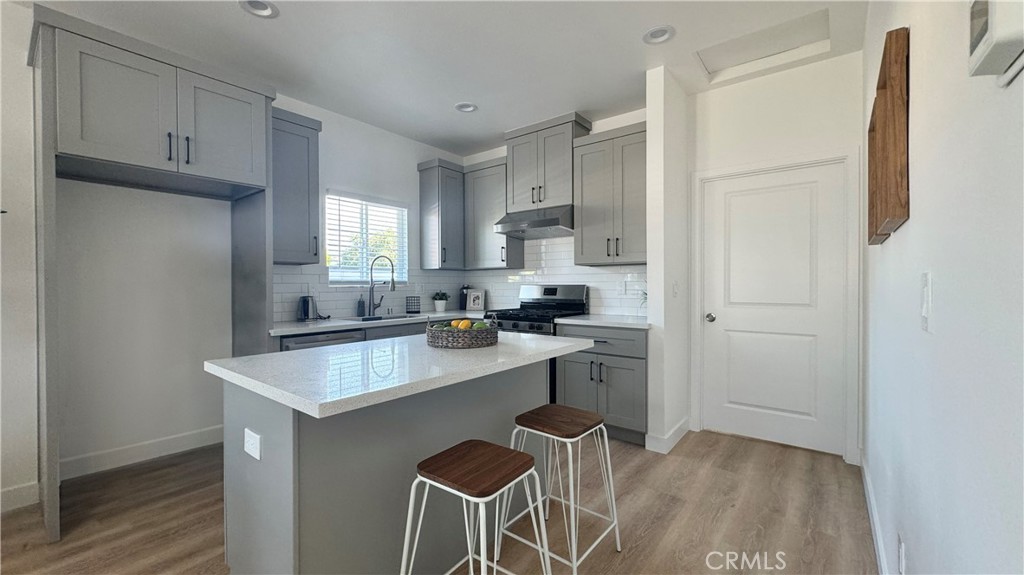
[(324, 381), (329, 325), (595, 320)]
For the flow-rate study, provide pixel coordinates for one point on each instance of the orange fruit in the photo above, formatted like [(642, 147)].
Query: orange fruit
[(465, 324)]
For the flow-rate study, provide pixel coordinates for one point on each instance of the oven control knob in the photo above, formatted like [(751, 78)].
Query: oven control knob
[(515, 324), (534, 326)]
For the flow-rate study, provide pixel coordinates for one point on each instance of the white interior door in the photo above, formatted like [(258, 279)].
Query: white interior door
[(774, 291)]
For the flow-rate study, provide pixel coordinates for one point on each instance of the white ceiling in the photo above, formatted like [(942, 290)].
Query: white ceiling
[(402, 66)]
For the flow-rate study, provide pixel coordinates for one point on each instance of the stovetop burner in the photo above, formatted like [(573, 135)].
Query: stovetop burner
[(540, 305)]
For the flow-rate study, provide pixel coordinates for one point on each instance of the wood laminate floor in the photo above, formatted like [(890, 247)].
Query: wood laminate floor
[(713, 493)]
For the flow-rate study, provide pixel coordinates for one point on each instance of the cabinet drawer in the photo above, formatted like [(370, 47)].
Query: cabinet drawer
[(610, 341), (396, 331)]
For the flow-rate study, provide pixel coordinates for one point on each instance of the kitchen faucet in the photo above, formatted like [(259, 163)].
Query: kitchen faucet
[(376, 304)]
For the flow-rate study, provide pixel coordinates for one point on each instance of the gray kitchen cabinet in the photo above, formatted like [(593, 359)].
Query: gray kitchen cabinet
[(592, 204), (485, 205), (390, 331), (611, 382), (442, 216), (221, 130), (610, 198), (118, 106), (115, 105), (622, 391), (540, 163), (296, 173), (577, 384)]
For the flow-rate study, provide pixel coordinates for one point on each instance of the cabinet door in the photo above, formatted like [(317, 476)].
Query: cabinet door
[(522, 173), (388, 332), (554, 187), (222, 130), (593, 200), (622, 391), (630, 188), (452, 201), (485, 205), (296, 194), (576, 380), (115, 105)]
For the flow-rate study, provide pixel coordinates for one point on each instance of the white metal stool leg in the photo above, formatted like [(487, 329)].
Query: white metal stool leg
[(408, 560), (611, 489)]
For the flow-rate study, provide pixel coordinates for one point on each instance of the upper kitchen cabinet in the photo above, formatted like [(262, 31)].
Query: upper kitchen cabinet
[(485, 204), (442, 216), (296, 173), (540, 163), (124, 117), (115, 105), (610, 197), (222, 130)]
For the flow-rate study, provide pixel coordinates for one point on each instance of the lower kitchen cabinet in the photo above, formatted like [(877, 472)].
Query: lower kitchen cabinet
[(611, 385), (390, 331)]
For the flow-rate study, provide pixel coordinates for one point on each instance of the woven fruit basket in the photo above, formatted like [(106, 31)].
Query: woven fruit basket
[(447, 337)]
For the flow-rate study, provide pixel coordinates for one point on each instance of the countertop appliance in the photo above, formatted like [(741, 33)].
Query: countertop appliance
[(307, 309), (539, 305)]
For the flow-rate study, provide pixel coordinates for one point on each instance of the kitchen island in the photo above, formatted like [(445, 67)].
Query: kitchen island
[(340, 430)]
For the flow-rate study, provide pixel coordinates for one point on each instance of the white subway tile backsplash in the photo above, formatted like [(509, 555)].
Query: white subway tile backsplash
[(613, 289)]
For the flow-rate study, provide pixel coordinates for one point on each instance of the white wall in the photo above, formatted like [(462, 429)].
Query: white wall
[(943, 446), (17, 264), (811, 110), (144, 291), (668, 250), (361, 158)]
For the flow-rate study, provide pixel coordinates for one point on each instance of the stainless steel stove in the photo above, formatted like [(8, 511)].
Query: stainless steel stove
[(539, 305)]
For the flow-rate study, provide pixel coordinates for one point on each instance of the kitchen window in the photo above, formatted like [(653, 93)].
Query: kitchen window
[(359, 229)]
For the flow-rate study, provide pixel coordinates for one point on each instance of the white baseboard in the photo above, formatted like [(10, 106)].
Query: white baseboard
[(19, 496), (665, 444), (121, 456), (876, 529)]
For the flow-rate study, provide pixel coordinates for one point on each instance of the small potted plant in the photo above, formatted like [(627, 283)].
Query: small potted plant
[(440, 301)]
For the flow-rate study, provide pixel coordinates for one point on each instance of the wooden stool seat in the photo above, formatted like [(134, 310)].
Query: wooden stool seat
[(559, 420), (476, 468)]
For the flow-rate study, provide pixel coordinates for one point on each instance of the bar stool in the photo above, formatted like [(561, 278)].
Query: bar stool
[(569, 426), (478, 472)]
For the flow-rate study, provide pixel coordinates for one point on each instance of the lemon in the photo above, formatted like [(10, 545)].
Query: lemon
[(456, 322), (465, 324)]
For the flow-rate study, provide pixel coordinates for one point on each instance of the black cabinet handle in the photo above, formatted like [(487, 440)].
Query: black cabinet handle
[(502, 253), (608, 247), (170, 143), (591, 371), (533, 195), (444, 255), (616, 246), (316, 246), (600, 372), (540, 194), (600, 341), (188, 150)]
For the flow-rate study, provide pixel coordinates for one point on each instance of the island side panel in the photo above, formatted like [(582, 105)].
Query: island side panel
[(259, 495), (356, 468)]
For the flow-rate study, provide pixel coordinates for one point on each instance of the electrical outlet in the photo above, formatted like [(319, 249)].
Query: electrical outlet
[(926, 301), (902, 554), (253, 443)]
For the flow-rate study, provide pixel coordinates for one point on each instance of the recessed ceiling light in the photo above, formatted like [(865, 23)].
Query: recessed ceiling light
[(466, 107), (659, 34), (260, 8)]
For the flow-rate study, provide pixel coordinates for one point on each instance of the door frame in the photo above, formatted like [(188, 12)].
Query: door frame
[(850, 159)]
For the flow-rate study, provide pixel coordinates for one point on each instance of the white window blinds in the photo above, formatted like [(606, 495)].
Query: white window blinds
[(359, 230)]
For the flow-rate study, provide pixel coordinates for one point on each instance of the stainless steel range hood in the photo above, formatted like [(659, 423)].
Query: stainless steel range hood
[(555, 222)]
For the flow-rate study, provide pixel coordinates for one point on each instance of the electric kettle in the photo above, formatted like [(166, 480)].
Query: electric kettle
[(307, 309)]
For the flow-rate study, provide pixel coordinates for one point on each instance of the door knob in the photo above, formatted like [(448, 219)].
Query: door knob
[(710, 317)]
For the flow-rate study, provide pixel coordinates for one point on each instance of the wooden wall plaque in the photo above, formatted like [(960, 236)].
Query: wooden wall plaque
[(888, 134)]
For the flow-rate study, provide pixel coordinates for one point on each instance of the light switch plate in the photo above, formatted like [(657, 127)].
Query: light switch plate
[(253, 443)]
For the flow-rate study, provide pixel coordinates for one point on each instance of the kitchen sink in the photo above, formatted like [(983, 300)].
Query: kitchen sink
[(383, 317)]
